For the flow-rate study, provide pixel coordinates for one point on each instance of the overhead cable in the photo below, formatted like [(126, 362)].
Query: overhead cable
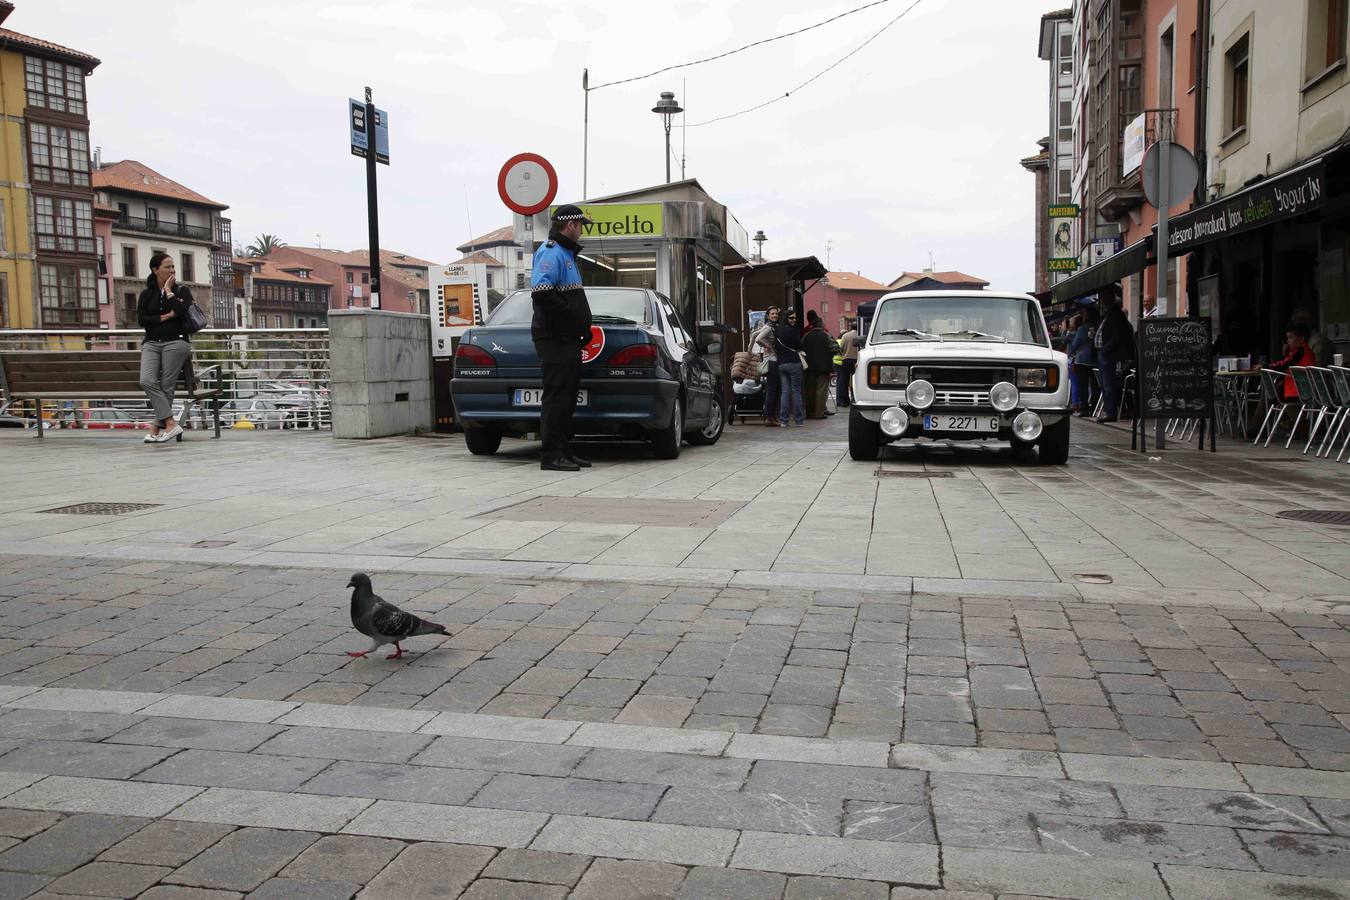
[(822, 72), (770, 40)]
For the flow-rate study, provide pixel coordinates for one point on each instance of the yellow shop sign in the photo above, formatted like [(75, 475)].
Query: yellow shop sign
[(623, 219)]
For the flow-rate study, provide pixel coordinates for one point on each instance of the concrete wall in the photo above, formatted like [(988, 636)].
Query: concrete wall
[(1289, 120), (377, 358)]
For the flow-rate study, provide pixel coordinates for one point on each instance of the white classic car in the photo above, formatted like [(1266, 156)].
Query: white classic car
[(960, 366)]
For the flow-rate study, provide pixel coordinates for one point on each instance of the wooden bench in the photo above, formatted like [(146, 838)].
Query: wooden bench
[(40, 375)]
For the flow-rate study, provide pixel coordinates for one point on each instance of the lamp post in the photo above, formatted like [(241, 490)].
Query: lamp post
[(666, 107), (759, 240)]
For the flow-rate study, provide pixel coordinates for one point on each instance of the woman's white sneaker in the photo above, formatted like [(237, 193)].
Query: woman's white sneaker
[(167, 436), (151, 439)]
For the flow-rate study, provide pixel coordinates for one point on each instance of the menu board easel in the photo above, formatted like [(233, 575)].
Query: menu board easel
[(1174, 376)]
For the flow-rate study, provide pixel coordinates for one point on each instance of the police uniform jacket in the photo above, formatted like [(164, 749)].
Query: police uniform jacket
[(561, 313)]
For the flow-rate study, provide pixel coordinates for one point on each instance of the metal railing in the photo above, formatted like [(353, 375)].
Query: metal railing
[(166, 227), (270, 377)]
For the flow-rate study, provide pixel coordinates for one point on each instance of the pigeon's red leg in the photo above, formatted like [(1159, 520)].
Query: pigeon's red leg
[(398, 655), (358, 655)]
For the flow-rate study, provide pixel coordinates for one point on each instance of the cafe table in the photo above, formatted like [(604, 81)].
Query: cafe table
[(1236, 392)]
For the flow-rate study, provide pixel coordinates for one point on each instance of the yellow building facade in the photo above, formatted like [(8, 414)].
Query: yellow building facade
[(18, 273)]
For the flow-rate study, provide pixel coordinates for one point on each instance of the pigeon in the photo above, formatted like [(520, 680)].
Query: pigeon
[(383, 622)]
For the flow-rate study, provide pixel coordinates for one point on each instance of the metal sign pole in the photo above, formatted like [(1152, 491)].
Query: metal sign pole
[(585, 132), (1164, 201), (372, 203)]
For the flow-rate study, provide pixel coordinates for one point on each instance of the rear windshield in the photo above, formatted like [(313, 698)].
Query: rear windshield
[(954, 318), (622, 303)]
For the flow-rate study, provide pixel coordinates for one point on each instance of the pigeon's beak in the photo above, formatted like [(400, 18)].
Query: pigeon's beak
[(352, 583)]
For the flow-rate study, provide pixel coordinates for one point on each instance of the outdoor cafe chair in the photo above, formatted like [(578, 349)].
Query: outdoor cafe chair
[(1340, 383), (1272, 388), (1328, 397), (1311, 401)]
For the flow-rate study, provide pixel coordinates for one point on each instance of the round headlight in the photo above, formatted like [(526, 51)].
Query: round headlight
[(894, 421), (1027, 426), (1003, 397), (920, 394)]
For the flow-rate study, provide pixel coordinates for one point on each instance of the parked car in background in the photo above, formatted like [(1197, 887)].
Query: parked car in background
[(261, 412), (960, 366), (8, 418), (642, 376), (108, 418)]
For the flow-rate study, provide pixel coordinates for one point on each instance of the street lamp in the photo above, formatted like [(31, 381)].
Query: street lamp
[(759, 240), (665, 108)]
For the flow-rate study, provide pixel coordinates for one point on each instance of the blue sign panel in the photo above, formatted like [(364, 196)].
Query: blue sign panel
[(361, 133)]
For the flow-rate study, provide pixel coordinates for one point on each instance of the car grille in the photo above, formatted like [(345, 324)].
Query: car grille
[(962, 398), (962, 378)]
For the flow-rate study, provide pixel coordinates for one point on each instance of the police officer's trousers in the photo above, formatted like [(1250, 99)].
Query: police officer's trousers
[(561, 362)]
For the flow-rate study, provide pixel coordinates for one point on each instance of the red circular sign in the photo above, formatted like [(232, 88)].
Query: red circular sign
[(594, 345), (527, 183)]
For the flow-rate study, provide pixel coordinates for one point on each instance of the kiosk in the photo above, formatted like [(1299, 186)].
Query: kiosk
[(673, 238)]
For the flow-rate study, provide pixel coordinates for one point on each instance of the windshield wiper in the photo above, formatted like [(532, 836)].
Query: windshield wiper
[(613, 320), (912, 332), (978, 334)]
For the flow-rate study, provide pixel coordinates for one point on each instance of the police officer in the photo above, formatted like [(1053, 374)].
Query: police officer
[(560, 328)]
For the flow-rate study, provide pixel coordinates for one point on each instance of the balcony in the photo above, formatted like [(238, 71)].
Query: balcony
[(200, 233)]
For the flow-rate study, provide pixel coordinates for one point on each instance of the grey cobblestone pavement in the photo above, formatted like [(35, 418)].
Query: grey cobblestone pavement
[(937, 708)]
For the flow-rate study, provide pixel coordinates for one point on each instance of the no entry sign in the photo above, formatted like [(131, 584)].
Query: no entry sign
[(527, 183)]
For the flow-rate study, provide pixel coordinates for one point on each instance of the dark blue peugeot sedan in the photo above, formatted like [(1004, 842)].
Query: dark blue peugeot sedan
[(642, 375)]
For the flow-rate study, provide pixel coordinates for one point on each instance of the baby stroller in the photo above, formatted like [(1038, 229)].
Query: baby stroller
[(749, 394), (747, 386)]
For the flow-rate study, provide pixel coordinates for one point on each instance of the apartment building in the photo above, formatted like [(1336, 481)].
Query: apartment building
[(516, 260), (404, 277), (48, 250), (156, 214)]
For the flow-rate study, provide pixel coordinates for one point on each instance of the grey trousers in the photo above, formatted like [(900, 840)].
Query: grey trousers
[(161, 365)]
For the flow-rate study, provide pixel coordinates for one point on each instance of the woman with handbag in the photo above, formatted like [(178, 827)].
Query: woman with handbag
[(167, 313)]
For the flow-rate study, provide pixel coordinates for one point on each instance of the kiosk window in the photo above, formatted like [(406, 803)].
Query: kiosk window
[(632, 269)]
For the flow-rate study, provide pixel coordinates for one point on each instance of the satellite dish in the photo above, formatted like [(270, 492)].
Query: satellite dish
[(1182, 176)]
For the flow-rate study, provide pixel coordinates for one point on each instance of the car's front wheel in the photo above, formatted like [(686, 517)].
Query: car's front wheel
[(864, 436), (1054, 443), (666, 442), (482, 441), (709, 433)]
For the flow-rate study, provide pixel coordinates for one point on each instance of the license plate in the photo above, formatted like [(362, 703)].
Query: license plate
[(535, 397), (960, 423)]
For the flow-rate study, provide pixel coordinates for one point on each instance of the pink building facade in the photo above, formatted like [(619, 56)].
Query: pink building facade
[(837, 296)]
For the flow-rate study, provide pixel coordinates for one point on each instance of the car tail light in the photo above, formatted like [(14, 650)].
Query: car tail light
[(634, 355), (468, 356)]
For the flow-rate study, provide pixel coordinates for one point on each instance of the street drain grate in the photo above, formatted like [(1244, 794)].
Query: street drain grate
[(1319, 516), (619, 511), (1091, 578), (101, 509), (908, 473)]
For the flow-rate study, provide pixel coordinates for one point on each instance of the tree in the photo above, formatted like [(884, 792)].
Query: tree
[(264, 244)]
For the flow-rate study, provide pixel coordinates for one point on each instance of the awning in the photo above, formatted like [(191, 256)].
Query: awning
[(1269, 200), (1132, 259)]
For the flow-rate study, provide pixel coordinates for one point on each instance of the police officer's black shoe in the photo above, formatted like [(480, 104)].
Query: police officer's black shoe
[(572, 457), (559, 464)]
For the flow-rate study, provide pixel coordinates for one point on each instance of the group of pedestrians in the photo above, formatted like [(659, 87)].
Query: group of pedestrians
[(1101, 341), (796, 366)]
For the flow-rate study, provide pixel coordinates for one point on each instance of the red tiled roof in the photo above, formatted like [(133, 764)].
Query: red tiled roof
[(852, 281), (952, 277), (135, 177), (395, 258), (503, 235), (341, 257), (273, 272), (478, 257), (40, 45)]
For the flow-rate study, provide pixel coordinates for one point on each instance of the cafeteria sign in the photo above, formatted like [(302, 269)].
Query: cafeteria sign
[(1261, 204), (1062, 264), (623, 219), (1064, 211)]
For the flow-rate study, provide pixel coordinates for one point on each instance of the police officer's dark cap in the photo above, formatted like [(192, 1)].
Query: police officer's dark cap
[(569, 213)]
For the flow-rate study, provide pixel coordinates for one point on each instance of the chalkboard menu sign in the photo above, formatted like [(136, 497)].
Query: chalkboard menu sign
[(1176, 376)]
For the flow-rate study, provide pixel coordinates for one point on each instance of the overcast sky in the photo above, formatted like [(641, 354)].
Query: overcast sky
[(908, 147)]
